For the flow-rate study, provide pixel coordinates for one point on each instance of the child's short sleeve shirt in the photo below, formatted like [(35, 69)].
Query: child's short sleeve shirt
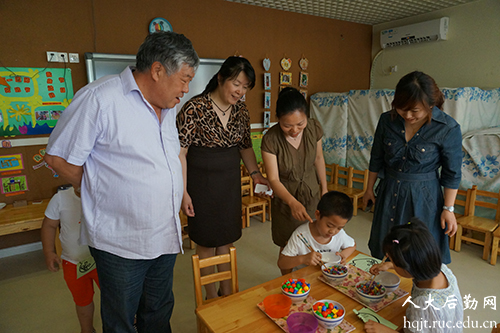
[(66, 207), (436, 310), (295, 247)]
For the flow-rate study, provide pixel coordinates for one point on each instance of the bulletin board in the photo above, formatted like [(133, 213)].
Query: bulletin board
[(25, 176), (32, 99)]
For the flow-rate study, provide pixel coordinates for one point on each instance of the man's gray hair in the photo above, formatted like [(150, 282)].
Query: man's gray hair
[(170, 49)]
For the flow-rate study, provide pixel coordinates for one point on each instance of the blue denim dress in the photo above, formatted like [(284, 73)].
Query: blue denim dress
[(412, 175)]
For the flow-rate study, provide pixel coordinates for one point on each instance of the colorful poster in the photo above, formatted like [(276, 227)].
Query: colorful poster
[(11, 162), (14, 184), (32, 99)]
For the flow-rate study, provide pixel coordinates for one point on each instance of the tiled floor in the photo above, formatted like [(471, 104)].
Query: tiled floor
[(32, 299)]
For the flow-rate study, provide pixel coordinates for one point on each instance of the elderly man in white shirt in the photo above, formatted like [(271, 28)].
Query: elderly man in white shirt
[(117, 143)]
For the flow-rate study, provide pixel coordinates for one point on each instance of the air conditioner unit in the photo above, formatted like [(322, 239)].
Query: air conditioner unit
[(429, 31)]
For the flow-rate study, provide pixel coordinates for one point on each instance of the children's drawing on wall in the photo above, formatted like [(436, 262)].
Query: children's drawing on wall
[(267, 100), (267, 81), (304, 79), (267, 119), (14, 185), (11, 162), (32, 99), (285, 78)]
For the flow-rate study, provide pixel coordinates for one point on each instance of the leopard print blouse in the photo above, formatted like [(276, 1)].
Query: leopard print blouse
[(199, 125)]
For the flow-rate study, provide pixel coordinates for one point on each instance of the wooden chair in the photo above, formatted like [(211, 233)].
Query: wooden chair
[(200, 281), (462, 202), (478, 224), (330, 172), (350, 176), (253, 205), (494, 248), (184, 223)]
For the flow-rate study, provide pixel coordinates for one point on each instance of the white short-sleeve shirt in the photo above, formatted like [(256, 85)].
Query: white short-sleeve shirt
[(66, 207), (132, 182), (295, 247)]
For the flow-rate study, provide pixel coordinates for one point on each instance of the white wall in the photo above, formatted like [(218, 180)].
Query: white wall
[(469, 58)]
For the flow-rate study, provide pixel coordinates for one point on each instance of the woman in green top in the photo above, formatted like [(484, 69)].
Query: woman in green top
[(295, 166)]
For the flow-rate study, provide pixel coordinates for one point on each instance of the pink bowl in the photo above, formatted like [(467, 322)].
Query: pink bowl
[(302, 322)]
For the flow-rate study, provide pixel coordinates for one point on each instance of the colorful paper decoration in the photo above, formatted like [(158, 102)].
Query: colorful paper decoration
[(304, 79), (267, 100), (267, 64), (286, 78), (286, 63), (267, 81), (11, 162), (303, 63), (14, 184)]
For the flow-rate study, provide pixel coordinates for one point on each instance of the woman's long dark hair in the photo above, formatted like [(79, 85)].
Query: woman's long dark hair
[(230, 69)]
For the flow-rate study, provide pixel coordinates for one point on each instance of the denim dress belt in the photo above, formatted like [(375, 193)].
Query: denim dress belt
[(408, 177)]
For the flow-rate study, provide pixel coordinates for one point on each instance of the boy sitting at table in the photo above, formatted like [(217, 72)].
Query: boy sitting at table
[(325, 234)]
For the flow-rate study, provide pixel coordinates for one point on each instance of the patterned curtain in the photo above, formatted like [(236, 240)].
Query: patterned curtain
[(349, 121)]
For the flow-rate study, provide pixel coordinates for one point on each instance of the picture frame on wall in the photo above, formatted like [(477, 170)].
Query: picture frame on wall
[(267, 81), (304, 93), (304, 79), (285, 78), (267, 100), (267, 119)]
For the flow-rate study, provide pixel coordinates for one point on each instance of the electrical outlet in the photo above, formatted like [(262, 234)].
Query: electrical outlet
[(63, 57), (52, 56), (74, 58)]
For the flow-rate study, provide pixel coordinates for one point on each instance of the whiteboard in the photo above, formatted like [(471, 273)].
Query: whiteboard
[(101, 64)]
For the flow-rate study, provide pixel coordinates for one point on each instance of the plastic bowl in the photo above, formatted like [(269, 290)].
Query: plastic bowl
[(389, 280), (330, 258), (335, 279), (296, 296), (277, 305), (302, 322), (329, 323), (370, 299)]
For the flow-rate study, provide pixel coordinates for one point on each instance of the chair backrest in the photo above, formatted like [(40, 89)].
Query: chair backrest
[(246, 186), (343, 173), (463, 200), (360, 176), (200, 281), (330, 172), (491, 203)]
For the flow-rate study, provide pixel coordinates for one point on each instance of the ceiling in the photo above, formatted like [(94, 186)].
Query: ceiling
[(369, 12)]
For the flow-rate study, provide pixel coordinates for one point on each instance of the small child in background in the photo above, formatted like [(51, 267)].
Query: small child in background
[(64, 210), (414, 253), (325, 234)]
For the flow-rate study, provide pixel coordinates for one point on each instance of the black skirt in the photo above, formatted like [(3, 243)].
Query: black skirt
[(214, 184)]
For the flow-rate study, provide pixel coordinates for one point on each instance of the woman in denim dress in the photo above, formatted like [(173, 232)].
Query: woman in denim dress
[(417, 151)]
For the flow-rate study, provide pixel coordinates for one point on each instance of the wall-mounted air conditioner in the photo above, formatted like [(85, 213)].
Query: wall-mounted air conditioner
[(429, 31)]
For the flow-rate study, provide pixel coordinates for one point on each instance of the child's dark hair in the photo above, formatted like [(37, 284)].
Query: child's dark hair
[(335, 203), (289, 101), (412, 247)]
